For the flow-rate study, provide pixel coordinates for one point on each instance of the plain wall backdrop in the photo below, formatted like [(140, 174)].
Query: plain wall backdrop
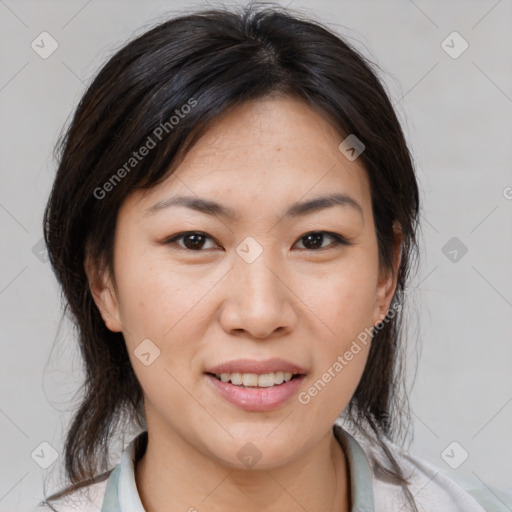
[(455, 104)]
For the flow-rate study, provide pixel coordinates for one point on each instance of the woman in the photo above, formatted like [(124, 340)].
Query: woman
[(232, 222)]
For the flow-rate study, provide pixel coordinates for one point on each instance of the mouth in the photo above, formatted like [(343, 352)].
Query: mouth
[(256, 385), (253, 392), (254, 380)]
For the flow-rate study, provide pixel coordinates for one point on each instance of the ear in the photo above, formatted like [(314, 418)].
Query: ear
[(103, 293), (388, 279)]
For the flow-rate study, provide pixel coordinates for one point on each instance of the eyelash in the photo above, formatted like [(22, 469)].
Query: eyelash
[(338, 240)]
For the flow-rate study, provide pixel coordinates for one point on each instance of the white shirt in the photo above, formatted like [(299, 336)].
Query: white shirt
[(433, 489)]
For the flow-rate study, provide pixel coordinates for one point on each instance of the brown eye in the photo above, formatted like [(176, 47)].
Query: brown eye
[(192, 240), (315, 239), (197, 241)]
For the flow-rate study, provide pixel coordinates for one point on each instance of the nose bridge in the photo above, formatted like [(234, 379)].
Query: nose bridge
[(255, 270), (258, 300)]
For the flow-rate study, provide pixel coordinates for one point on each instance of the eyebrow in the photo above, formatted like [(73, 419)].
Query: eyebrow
[(297, 209)]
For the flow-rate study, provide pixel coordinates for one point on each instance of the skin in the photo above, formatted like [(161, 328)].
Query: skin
[(204, 307)]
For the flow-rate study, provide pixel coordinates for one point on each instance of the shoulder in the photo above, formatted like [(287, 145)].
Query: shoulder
[(86, 499), (432, 487), (460, 489)]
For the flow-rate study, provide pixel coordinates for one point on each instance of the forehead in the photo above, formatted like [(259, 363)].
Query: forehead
[(278, 149)]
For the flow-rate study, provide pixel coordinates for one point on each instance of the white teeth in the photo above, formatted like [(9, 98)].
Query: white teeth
[(236, 379), (249, 379), (266, 380), (278, 377)]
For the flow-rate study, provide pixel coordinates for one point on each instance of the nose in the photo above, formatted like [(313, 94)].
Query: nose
[(257, 300)]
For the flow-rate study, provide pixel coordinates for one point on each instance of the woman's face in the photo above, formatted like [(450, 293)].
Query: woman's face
[(249, 285)]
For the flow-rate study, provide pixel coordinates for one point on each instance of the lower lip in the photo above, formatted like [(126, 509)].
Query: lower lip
[(257, 399)]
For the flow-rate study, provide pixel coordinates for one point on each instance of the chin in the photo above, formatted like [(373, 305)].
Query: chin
[(255, 453)]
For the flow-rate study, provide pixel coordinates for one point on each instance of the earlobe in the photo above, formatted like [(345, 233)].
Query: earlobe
[(103, 294), (107, 304)]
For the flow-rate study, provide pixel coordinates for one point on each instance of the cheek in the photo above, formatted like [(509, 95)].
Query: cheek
[(331, 388), (155, 294), (343, 298), (340, 355), (343, 302)]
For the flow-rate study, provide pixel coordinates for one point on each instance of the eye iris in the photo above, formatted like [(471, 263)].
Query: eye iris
[(197, 243), (316, 238)]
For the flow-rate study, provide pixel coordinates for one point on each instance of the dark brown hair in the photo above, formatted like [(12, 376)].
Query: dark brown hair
[(213, 60)]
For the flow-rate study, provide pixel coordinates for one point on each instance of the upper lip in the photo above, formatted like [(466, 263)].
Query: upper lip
[(255, 366)]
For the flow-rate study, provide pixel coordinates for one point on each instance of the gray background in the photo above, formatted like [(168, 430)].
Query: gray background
[(456, 113)]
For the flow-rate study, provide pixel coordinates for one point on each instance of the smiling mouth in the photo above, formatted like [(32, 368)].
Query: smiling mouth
[(254, 380)]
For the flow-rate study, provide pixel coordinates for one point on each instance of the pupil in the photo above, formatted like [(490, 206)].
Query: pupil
[(316, 238), (197, 242)]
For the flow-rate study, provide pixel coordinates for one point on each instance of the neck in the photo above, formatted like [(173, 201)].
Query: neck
[(174, 476)]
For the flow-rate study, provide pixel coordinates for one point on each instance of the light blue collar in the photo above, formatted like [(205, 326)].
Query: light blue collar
[(121, 494)]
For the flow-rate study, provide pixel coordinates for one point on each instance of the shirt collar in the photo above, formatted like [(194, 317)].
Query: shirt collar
[(121, 494), (360, 474)]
